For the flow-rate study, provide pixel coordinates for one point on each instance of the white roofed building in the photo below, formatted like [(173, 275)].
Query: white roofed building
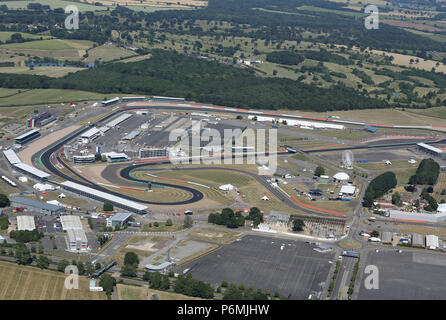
[(25, 223), (341, 176)]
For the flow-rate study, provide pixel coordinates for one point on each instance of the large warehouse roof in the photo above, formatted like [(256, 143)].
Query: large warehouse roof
[(26, 134), (32, 170), (76, 235), (104, 195), (11, 156), (430, 148), (35, 204), (90, 133), (70, 222), (25, 223), (118, 120)]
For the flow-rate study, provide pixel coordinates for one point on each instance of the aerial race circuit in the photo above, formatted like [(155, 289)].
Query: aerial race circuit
[(46, 156)]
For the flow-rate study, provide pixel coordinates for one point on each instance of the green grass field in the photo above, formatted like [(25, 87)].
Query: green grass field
[(128, 292), (108, 52), (6, 35), (340, 12), (30, 283), (43, 96), (55, 72)]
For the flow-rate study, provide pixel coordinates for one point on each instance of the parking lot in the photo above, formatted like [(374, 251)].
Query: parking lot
[(407, 276), (294, 271)]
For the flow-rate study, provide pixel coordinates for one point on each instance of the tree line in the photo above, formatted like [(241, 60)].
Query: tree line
[(378, 187)]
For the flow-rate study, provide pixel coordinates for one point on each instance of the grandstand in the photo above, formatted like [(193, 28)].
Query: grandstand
[(11, 156), (84, 159), (104, 197), (28, 136), (110, 102), (118, 120), (31, 171)]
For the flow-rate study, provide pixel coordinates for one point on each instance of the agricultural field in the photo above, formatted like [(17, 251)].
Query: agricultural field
[(54, 4), (6, 35), (439, 187), (55, 72), (128, 292), (107, 52), (30, 283)]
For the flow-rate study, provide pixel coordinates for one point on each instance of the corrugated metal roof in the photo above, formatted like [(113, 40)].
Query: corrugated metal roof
[(122, 216), (118, 120), (35, 204)]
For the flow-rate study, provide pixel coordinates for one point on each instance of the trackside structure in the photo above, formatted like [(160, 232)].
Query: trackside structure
[(119, 202)]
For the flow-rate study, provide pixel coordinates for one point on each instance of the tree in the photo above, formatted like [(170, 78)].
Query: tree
[(374, 233), (169, 223), (396, 199), (4, 201), (320, 171), (107, 282), (43, 262), (298, 225), (131, 258), (128, 270), (62, 265), (97, 157), (108, 206), (104, 158)]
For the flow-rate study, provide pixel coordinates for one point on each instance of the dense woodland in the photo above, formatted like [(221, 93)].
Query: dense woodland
[(172, 74), (378, 187), (316, 88)]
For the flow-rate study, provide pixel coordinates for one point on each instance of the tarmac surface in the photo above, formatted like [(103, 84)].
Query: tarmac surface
[(258, 262), (407, 276)]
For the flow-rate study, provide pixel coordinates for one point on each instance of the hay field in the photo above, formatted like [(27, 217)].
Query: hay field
[(30, 283)]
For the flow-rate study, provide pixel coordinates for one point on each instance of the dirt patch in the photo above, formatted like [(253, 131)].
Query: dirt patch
[(94, 172), (417, 26)]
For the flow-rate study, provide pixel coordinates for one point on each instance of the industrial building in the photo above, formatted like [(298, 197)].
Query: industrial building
[(118, 219), (432, 242), (386, 237), (40, 120), (37, 206), (115, 157), (28, 136), (90, 135), (104, 197), (118, 120), (418, 240), (347, 190), (153, 153), (429, 149), (25, 223), (132, 135), (77, 239), (70, 222), (416, 216)]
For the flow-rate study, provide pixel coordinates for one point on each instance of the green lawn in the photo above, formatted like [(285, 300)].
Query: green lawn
[(340, 12)]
